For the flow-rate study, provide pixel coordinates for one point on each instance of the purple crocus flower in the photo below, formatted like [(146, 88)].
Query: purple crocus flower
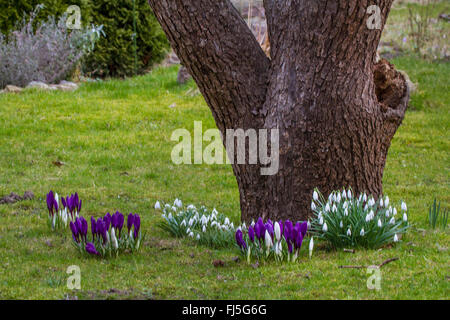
[(298, 237), (304, 228), (74, 229), (120, 221), (101, 229), (239, 239), (78, 224), (137, 225), (288, 230), (251, 234), (93, 228), (130, 221), (84, 228), (260, 229), (269, 228), (289, 244), (114, 220), (281, 226), (90, 248), (50, 200), (107, 220), (63, 201)]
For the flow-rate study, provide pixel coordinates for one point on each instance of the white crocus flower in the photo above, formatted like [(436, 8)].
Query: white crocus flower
[(268, 239), (311, 246), (315, 196), (362, 233), (114, 239), (325, 227), (157, 205), (277, 231), (395, 238)]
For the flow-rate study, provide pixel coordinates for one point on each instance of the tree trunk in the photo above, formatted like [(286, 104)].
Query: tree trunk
[(336, 108)]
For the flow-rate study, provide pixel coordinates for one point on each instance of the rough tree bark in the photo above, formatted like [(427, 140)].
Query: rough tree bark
[(337, 109)]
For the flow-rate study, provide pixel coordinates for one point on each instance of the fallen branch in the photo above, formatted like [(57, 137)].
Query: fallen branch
[(349, 250), (364, 267)]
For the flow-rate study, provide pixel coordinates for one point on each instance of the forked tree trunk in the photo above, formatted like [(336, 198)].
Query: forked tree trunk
[(335, 107)]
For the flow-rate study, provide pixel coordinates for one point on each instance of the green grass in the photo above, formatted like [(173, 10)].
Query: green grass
[(114, 138)]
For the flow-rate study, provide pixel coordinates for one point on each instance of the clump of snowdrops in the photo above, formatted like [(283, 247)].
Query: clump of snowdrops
[(208, 228), (348, 221)]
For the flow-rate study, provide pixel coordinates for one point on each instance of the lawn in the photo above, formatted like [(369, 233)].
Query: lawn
[(113, 138)]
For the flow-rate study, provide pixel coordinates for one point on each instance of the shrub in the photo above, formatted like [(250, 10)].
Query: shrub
[(114, 55), (47, 52), (207, 228), (345, 221)]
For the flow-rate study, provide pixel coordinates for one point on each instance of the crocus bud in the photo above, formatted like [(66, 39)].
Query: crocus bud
[(277, 231), (268, 240), (90, 248), (114, 239), (130, 221), (311, 246), (137, 225), (251, 234)]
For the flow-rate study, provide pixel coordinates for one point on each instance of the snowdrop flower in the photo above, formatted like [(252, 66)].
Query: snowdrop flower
[(313, 206), (371, 202), (395, 238), (214, 212), (321, 220), (268, 240), (346, 212), (170, 216), (277, 231), (341, 224), (253, 223), (231, 225), (334, 209), (345, 205), (188, 230), (386, 201), (325, 227), (204, 229), (379, 223), (381, 203), (315, 196), (334, 197), (405, 217), (388, 213), (157, 205), (183, 223), (364, 197), (327, 208), (191, 222), (404, 207), (174, 208), (338, 197), (311, 246), (198, 236), (392, 221), (330, 198), (394, 211), (349, 232), (309, 224), (190, 207), (366, 207), (344, 195), (349, 194), (191, 234), (178, 203), (362, 233), (227, 221)]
